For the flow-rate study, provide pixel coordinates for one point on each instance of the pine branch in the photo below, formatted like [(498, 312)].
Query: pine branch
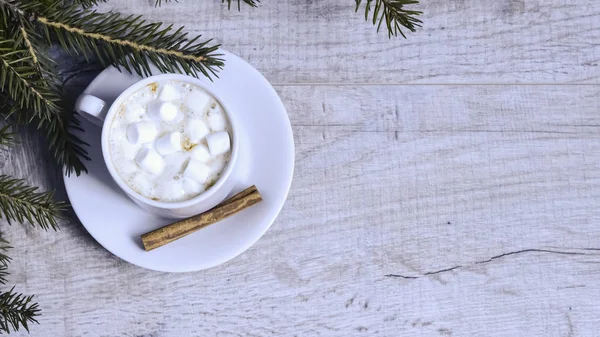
[(24, 71), (252, 3), (4, 271), (17, 310), (28, 77), (4, 259), (393, 13), (19, 202), (6, 137), (68, 150), (20, 80), (87, 3), (28, 39), (7, 106), (129, 42), (160, 2), (11, 6), (10, 9)]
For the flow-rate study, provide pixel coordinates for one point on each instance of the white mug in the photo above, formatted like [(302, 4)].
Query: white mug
[(97, 111)]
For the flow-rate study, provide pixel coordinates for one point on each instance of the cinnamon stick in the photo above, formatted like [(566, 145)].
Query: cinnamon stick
[(162, 236)]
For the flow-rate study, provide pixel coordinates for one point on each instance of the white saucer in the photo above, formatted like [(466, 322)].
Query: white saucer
[(266, 160)]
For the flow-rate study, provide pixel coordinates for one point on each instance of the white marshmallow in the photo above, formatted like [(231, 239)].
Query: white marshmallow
[(144, 98), (176, 163), (119, 133), (218, 143), (150, 161), (192, 187), (197, 171), (197, 101), (216, 120), (169, 143), (217, 166), (129, 150), (134, 112), (141, 184), (196, 130), (169, 93), (171, 189), (141, 132), (163, 111), (128, 167), (200, 152)]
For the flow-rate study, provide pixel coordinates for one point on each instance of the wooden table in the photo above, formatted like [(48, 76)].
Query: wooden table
[(445, 185)]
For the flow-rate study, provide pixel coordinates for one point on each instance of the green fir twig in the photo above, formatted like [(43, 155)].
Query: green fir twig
[(393, 13), (129, 42), (251, 3), (4, 259), (30, 89), (7, 137), (22, 203), (17, 310)]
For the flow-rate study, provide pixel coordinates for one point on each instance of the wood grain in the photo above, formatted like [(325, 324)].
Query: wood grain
[(430, 198), (477, 41)]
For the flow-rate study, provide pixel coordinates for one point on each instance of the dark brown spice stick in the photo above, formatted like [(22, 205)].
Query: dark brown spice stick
[(179, 229)]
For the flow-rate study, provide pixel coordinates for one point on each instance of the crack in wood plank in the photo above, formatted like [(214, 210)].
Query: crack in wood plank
[(441, 270), (496, 257), (570, 333), (529, 251), (402, 276)]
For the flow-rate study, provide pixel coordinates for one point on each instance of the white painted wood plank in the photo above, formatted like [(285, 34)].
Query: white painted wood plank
[(444, 108), (414, 211), (477, 41)]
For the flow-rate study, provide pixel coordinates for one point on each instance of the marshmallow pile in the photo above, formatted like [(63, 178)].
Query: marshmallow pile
[(171, 141)]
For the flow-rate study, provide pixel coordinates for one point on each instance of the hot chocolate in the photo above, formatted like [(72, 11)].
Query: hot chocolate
[(170, 141)]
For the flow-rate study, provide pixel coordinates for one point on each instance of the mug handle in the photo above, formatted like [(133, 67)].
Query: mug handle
[(91, 108)]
